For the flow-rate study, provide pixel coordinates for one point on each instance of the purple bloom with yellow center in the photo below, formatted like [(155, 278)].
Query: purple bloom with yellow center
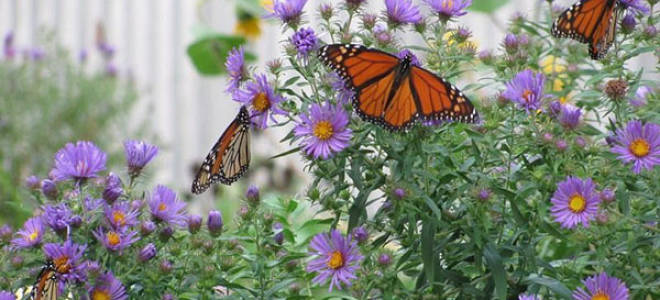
[(78, 161), (575, 201), (166, 207), (447, 9), (638, 144), (120, 215), (116, 240), (4, 295), (138, 155), (602, 287), (107, 287), (260, 96), (526, 89), (58, 217), (635, 6), (30, 235), (402, 12), (570, 116), (288, 11), (236, 69), (338, 259), (407, 54), (305, 41), (68, 261), (324, 131)]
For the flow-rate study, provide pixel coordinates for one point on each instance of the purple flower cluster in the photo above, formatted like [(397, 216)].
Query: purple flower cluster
[(58, 217), (305, 41)]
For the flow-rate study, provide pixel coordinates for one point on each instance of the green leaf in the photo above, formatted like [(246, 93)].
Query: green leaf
[(487, 6), (428, 252), (552, 284), (494, 261), (209, 52)]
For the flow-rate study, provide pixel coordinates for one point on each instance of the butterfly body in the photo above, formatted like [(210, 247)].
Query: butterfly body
[(229, 158), (395, 92), (591, 22), (45, 287)]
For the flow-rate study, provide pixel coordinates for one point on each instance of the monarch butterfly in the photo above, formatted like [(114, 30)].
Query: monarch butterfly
[(395, 92), (45, 288), (591, 22), (230, 156)]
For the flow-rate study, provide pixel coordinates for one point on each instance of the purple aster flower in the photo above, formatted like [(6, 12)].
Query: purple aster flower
[(575, 201), (260, 96), (570, 116), (31, 233), (324, 131), (147, 227), (484, 194), (236, 69), (67, 259), (8, 46), (252, 194), (5, 232), (382, 34), (37, 54), (107, 50), (628, 23), (58, 217), (641, 95), (402, 12), (360, 234), (82, 56), (638, 144), (607, 195), (527, 297), (49, 189), (93, 267), (138, 155), (91, 204), (305, 41), (399, 193), (288, 11), (166, 207), (147, 252), (107, 287), (116, 240), (113, 188), (120, 214), (555, 108), (449, 8), (194, 223), (78, 161), (4, 295), (342, 91), (338, 259), (526, 89), (601, 286), (407, 54), (214, 222), (384, 260), (279, 234), (635, 6), (33, 182)]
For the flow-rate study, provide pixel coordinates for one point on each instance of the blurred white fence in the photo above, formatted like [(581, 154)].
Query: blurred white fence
[(187, 111)]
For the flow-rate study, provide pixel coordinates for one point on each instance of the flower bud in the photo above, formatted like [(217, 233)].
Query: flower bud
[(49, 189), (32, 182), (147, 253), (5, 233), (326, 11), (384, 260), (214, 222), (561, 145), (602, 217), (165, 266), (252, 195), (555, 108), (17, 261), (368, 21), (93, 267), (279, 234), (580, 142), (628, 23), (113, 188), (399, 193), (607, 195), (208, 246), (194, 223), (360, 234), (76, 221), (166, 233), (486, 57), (244, 212), (616, 89), (147, 227), (167, 296), (484, 194), (510, 43), (650, 31), (547, 137)]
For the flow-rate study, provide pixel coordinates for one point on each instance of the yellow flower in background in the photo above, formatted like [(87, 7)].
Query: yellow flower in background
[(267, 4), (557, 85), (248, 26), (552, 65), (450, 38)]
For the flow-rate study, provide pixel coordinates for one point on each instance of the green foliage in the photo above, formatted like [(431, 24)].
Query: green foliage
[(209, 52)]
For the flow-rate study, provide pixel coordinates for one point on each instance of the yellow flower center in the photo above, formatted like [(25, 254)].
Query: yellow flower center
[(323, 130), (260, 102), (448, 4), (113, 238), (639, 147), (99, 294), (119, 217), (33, 236), (336, 260), (577, 203), (600, 296), (526, 95), (62, 264), (162, 207)]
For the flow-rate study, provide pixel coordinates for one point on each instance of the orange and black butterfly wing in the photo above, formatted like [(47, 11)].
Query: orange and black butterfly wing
[(373, 76), (437, 99), (591, 22), (45, 288), (230, 156)]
